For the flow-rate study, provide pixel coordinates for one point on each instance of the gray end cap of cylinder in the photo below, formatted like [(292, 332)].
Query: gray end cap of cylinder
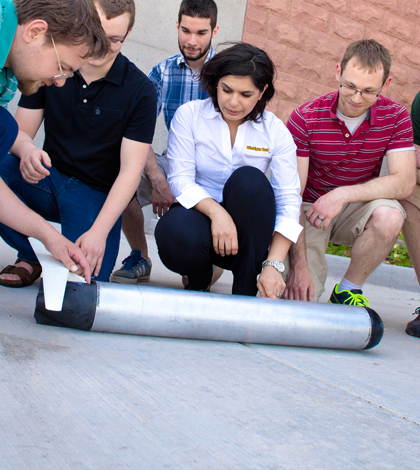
[(79, 307), (377, 328)]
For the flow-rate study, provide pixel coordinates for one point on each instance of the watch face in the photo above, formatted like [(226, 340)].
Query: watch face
[(278, 265)]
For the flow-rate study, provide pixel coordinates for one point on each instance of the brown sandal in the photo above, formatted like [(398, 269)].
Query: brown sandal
[(26, 279)]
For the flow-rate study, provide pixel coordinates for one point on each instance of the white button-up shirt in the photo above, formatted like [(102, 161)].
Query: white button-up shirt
[(201, 159)]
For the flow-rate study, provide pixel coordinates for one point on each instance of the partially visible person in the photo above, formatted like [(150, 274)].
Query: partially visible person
[(227, 213), (176, 80), (98, 131), (27, 61), (411, 227), (341, 139)]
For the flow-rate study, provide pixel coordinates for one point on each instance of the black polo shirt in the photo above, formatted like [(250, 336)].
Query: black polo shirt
[(85, 124)]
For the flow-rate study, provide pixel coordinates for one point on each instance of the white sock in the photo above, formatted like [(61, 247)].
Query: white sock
[(347, 285)]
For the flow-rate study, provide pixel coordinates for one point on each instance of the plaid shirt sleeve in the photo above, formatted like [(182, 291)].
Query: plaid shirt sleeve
[(156, 77)]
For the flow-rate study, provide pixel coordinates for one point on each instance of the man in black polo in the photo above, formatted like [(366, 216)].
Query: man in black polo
[(98, 131)]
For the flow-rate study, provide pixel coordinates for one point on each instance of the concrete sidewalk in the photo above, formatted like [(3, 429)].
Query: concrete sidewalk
[(78, 400)]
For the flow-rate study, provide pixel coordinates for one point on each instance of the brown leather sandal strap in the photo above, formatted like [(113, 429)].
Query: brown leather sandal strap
[(23, 273), (36, 267), (26, 278)]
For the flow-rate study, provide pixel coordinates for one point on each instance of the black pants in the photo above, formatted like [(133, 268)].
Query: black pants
[(184, 236)]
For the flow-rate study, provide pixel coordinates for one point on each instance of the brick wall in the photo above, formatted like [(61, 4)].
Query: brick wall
[(306, 39)]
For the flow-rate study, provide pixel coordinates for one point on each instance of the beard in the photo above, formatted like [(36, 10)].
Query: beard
[(28, 87), (26, 83), (194, 58)]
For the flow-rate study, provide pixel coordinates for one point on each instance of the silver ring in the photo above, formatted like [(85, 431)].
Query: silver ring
[(320, 218), (278, 294)]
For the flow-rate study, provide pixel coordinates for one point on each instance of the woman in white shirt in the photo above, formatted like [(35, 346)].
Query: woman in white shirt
[(227, 213)]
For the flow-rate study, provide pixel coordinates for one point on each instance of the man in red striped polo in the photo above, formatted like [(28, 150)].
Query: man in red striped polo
[(341, 140)]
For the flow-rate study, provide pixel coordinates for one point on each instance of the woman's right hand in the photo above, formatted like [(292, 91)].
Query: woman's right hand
[(223, 230), (270, 283)]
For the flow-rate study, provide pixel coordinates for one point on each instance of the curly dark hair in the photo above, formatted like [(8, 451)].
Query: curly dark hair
[(244, 60), (199, 9)]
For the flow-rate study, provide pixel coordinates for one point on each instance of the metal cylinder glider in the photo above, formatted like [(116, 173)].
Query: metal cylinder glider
[(155, 311)]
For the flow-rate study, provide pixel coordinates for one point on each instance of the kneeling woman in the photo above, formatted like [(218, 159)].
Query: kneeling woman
[(218, 152)]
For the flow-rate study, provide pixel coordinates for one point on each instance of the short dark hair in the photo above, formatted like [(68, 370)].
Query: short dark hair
[(244, 60), (370, 55), (70, 22), (114, 8), (199, 9)]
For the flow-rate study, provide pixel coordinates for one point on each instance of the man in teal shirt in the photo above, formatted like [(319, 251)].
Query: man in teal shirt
[(8, 25), (42, 42)]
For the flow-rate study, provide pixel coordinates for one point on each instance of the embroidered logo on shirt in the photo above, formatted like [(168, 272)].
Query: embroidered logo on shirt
[(257, 149), (97, 111)]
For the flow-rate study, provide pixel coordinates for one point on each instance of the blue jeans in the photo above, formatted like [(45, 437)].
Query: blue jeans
[(8, 131), (62, 199)]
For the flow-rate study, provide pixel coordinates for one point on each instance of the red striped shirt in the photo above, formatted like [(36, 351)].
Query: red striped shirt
[(338, 158)]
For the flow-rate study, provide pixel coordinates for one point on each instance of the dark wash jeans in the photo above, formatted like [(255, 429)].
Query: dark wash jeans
[(62, 199), (184, 238), (8, 131)]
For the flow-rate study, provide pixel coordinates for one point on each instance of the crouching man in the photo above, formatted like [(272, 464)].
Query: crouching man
[(341, 140)]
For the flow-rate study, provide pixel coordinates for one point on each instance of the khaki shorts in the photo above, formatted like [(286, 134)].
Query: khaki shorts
[(144, 191), (343, 230), (415, 197)]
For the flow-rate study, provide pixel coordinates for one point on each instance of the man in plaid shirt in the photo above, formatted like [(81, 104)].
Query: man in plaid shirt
[(176, 83)]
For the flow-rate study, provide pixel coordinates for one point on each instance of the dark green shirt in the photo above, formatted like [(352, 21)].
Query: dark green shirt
[(415, 118)]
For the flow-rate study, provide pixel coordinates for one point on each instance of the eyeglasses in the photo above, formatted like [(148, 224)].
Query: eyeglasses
[(367, 95), (61, 76), (117, 41)]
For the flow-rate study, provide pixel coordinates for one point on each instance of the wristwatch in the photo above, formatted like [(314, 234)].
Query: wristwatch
[(277, 265)]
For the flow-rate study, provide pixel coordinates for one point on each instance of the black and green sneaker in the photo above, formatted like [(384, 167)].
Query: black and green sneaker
[(413, 326), (348, 297)]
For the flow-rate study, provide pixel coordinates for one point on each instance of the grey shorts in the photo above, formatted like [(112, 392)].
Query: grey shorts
[(144, 191)]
